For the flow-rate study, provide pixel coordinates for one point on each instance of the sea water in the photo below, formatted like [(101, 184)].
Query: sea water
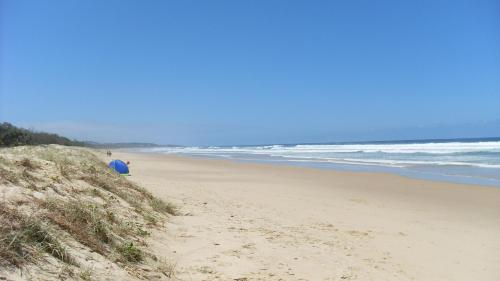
[(475, 161)]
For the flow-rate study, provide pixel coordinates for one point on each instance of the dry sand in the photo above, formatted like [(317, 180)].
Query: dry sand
[(268, 222)]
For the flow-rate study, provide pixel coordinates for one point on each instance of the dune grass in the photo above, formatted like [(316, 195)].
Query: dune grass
[(163, 207), (130, 252), (85, 222), (80, 199), (24, 238)]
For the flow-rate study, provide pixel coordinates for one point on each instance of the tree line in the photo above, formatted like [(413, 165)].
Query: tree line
[(11, 135)]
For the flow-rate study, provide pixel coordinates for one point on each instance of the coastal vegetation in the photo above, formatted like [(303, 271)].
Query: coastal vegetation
[(63, 210), (11, 135)]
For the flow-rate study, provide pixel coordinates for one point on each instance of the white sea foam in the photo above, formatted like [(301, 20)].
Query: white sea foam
[(479, 154)]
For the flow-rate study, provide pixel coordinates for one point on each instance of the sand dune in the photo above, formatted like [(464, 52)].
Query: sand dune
[(64, 215), (263, 222)]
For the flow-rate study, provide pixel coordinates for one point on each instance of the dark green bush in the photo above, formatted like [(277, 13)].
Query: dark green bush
[(11, 135)]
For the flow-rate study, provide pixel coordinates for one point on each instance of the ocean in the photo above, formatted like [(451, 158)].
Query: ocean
[(471, 161)]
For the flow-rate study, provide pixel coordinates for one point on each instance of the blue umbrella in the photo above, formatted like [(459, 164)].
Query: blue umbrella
[(119, 166)]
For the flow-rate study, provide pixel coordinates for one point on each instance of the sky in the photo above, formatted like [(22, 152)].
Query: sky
[(251, 72)]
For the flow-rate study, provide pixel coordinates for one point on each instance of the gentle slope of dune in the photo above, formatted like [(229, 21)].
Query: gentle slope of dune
[(65, 215)]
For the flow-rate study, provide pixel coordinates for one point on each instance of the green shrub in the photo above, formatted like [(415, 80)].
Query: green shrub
[(11, 135), (130, 252)]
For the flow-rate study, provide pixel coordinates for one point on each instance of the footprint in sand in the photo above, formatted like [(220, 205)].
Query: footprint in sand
[(357, 233), (206, 270), (249, 246)]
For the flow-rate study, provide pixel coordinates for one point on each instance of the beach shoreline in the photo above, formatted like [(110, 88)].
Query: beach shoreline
[(412, 173), (465, 161), (272, 222)]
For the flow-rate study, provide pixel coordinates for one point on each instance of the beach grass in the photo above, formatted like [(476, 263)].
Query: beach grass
[(61, 198)]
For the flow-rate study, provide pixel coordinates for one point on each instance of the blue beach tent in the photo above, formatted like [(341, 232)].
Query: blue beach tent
[(119, 166)]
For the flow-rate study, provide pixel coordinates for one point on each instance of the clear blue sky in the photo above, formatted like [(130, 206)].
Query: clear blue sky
[(248, 72)]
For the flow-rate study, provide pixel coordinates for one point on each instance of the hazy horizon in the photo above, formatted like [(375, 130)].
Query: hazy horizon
[(260, 72), (339, 141)]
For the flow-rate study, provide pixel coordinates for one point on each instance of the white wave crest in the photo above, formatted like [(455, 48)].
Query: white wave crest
[(398, 155), (429, 148)]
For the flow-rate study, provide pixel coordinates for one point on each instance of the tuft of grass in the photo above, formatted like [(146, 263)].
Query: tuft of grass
[(27, 176), (28, 164), (7, 176), (65, 272), (150, 219), (12, 250), (167, 267), (130, 252), (34, 231), (85, 275), (96, 193), (124, 228), (84, 221), (65, 168), (23, 238), (161, 206), (91, 225), (113, 186), (111, 217), (141, 232), (92, 170)]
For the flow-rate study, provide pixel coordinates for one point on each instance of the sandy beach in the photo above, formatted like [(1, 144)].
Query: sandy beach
[(249, 140), (270, 222)]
